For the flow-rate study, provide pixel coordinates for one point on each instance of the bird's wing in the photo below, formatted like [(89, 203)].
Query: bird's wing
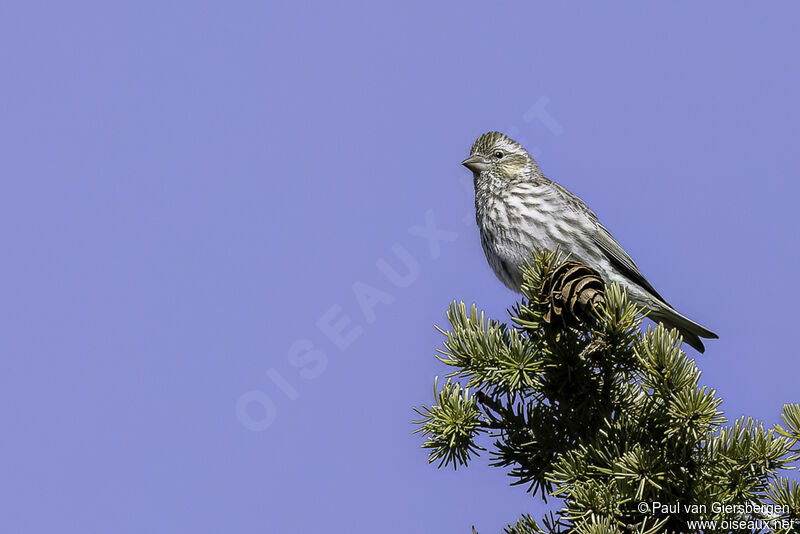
[(620, 259), (606, 242)]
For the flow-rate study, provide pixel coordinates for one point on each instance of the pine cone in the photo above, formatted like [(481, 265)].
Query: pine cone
[(571, 293)]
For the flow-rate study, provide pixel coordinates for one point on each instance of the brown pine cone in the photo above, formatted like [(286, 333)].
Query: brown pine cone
[(571, 294)]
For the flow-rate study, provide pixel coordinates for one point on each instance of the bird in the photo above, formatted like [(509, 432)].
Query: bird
[(519, 210)]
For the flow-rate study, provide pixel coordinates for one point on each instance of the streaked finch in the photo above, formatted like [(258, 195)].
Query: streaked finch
[(519, 210)]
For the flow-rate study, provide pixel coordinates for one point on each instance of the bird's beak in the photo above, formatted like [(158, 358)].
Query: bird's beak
[(475, 164)]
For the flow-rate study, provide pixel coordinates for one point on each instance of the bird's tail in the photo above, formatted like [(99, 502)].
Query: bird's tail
[(690, 330)]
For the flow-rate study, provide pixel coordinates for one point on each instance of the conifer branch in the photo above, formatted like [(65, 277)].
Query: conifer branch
[(586, 407)]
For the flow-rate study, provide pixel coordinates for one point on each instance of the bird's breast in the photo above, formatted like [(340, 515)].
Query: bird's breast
[(520, 218), (515, 222)]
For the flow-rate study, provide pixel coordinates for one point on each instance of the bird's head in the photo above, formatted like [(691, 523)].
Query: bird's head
[(498, 155)]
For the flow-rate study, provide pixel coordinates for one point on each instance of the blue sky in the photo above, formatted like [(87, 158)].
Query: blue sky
[(199, 198)]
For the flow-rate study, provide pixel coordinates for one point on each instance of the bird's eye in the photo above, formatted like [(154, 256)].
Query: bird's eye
[(498, 154)]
